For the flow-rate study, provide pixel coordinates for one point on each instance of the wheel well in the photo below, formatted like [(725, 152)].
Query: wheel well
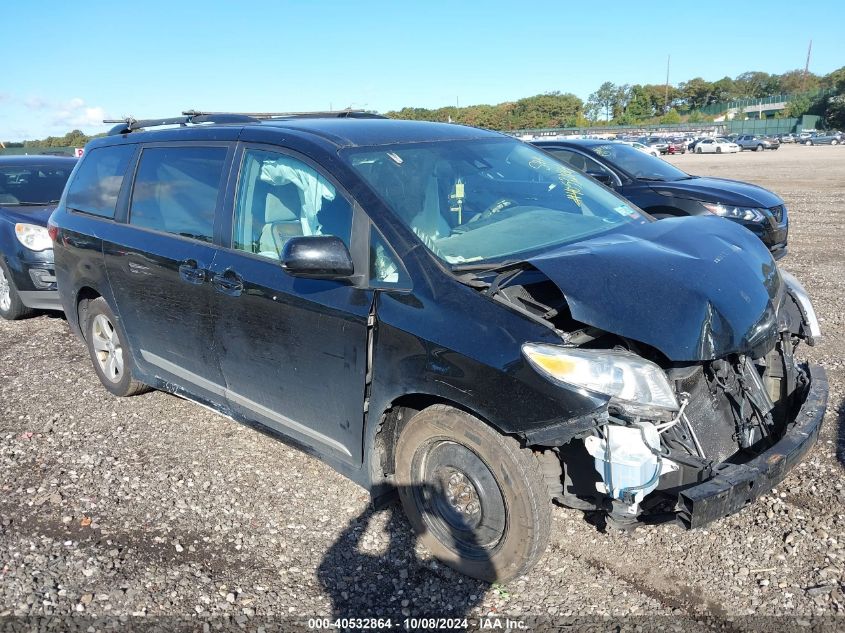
[(394, 419), (406, 407), (85, 295)]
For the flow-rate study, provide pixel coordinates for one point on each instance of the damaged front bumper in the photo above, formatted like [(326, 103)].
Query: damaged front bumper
[(734, 486)]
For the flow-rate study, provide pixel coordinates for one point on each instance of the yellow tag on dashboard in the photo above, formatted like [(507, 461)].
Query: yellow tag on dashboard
[(459, 190)]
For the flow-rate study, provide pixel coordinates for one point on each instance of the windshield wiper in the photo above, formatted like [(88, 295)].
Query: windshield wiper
[(488, 267), (505, 273), (27, 203)]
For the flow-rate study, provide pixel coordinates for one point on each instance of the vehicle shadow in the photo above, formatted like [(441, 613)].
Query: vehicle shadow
[(391, 581)]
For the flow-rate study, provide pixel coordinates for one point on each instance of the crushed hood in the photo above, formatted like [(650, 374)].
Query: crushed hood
[(694, 288)]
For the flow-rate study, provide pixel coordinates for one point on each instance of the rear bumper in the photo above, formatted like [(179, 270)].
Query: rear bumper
[(736, 485)]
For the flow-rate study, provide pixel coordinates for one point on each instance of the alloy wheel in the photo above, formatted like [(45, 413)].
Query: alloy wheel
[(5, 292), (107, 348)]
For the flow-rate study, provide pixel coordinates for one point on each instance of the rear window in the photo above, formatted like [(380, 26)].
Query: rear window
[(176, 189), (97, 183)]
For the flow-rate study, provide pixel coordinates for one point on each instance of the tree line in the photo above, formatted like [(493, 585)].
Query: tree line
[(641, 104), (75, 138), (611, 104)]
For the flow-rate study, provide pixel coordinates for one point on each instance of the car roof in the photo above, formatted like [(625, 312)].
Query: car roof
[(339, 131), (584, 142), (356, 132), (36, 159)]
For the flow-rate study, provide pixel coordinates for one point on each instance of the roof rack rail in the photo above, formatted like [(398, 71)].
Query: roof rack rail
[(340, 114), (131, 124)]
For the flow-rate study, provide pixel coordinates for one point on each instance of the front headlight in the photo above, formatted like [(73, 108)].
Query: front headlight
[(750, 214), (635, 384), (34, 237)]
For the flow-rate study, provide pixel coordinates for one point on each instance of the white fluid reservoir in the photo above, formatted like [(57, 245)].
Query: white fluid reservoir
[(626, 462)]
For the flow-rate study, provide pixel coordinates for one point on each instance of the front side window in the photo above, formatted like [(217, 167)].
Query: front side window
[(640, 165), (176, 189), (280, 197), (579, 161), (471, 201), (98, 180)]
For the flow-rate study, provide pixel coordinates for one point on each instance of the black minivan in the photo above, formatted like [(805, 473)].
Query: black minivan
[(445, 312)]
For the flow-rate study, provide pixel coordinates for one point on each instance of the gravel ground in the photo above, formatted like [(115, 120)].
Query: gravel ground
[(154, 508)]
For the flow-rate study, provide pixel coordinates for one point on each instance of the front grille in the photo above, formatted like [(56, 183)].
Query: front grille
[(777, 212)]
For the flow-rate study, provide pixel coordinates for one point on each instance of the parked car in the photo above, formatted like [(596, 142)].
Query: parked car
[(443, 311), (657, 143), (756, 143), (30, 188), (665, 191), (716, 146), (676, 147), (823, 138), (786, 138), (642, 148)]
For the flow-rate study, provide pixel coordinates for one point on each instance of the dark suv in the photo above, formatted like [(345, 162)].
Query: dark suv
[(665, 191), (446, 312), (30, 187)]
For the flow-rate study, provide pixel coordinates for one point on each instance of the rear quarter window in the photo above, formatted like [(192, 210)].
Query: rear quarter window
[(176, 190), (98, 180)]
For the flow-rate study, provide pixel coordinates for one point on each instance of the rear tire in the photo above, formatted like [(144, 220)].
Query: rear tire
[(476, 499), (718, 150), (11, 306), (109, 351), (808, 143)]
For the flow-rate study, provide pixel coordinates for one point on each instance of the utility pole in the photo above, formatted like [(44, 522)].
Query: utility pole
[(666, 93), (806, 67)]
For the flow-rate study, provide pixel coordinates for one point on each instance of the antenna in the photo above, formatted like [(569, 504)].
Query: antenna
[(666, 94), (806, 66)]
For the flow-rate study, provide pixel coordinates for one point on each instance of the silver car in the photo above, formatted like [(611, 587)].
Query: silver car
[(756, 143)]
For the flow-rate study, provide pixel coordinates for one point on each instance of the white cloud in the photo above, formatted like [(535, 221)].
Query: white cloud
[(77, 114), (35, 103)]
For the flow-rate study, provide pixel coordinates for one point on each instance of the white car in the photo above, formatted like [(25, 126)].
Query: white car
[(645, 149), (716, 146)]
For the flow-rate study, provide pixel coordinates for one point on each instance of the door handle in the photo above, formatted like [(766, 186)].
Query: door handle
[(229, 283), (190, 271)]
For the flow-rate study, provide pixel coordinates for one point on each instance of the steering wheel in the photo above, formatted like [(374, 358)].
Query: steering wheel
[(500, 205)]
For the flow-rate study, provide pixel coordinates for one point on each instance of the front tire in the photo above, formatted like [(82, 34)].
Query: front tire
[(760, 148), (476, 499), (109, 352), (698, 150), (718, 150), (11, 306), (834, 142)]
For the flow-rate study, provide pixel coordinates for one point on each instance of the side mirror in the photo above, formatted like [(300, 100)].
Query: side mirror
[(317, 257), (602, 176)]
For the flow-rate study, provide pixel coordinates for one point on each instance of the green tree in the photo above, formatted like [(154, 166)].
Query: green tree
[(672, 116), (793, 81), (696, 93), (797, 106), (604, 99), (834, 115)]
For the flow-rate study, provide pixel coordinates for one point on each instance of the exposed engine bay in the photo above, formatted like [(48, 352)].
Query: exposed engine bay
[(631, 462)]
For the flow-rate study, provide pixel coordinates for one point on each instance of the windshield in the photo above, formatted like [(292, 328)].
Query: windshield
[(32, 184), (474, 201), (640, 165)]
